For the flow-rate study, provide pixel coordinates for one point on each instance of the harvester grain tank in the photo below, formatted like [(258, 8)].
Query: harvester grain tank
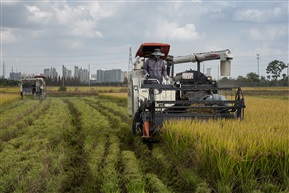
[(188, 95)]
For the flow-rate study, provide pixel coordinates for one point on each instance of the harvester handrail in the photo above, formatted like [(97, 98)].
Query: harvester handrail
[(185, 87)]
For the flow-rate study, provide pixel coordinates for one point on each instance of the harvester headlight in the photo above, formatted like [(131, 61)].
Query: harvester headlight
[(187, 75)]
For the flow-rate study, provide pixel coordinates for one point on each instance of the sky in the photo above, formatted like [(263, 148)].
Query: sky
[(39, 34)]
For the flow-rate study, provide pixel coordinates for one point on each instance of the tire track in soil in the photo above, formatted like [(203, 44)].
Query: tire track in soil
[(78, 159)]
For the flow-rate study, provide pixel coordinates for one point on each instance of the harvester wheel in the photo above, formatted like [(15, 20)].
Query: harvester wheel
[(136, 123)]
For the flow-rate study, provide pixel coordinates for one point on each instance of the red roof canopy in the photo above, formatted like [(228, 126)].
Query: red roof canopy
[(40, 76), (146, 49)]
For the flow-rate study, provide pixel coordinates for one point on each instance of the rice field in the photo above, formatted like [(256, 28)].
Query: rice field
[(255, 150), (7, 97), (84, 144)]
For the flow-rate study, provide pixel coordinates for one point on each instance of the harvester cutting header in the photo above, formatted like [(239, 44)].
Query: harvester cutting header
[(189, 94)]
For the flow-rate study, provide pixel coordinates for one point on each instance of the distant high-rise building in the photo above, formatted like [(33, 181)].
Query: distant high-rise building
[(82, 74), (76, 72), (66, 73), (114, 75), (15, 75), (51, 73), (100, 76)]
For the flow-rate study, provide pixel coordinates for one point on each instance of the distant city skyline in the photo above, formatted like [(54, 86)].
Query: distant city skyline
[(84, 75)]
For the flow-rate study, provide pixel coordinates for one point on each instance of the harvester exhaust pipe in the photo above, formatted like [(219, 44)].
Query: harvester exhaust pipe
[(225, 68)]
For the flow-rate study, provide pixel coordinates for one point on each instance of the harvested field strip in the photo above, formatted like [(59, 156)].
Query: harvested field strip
[(118, 125), (10, 105), (15, 125), (110, 169), (155, 185), (30, 162), (111, 106), (77, 163), (133, 177), (111, 112), (120, 101), (97, 139), (14, 114), (23, 116), (110, 173)]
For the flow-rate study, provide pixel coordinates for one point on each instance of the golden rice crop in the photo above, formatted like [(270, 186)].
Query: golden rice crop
[(6, 97), (119, 95), (234, 151), (266, 88), (13, 89), (103, 89)]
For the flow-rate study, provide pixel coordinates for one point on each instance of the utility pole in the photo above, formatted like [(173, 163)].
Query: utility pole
[(129, 63), (63, 74), (258, 57), (88, 74), (3, 75)]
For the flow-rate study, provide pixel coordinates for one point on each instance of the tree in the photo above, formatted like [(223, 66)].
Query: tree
[(252, 76), (241, 78), (275, 68)]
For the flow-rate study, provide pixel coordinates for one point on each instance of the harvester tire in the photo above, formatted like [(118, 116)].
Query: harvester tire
[(136, 120)]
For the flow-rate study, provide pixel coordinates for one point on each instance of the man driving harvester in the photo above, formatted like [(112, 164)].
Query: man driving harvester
[(154, 67)]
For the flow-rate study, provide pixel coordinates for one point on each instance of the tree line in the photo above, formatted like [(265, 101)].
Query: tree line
[(274, 78)]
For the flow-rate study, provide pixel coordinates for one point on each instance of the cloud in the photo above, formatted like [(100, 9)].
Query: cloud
[(85, 29), (267, 33), (172, 31), (248, 15), (38, 16), (76, 21), (264, 14), (10, 2), (9, 35)]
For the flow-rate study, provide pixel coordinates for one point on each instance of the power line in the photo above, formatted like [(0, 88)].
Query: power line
[(59, 56), (61, 61)]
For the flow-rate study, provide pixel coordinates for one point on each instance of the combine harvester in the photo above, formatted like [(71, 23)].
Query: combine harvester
[(34, 86), (189, 94)]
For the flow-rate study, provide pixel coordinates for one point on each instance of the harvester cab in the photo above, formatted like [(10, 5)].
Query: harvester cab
[(35, 86), (188, 95)]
